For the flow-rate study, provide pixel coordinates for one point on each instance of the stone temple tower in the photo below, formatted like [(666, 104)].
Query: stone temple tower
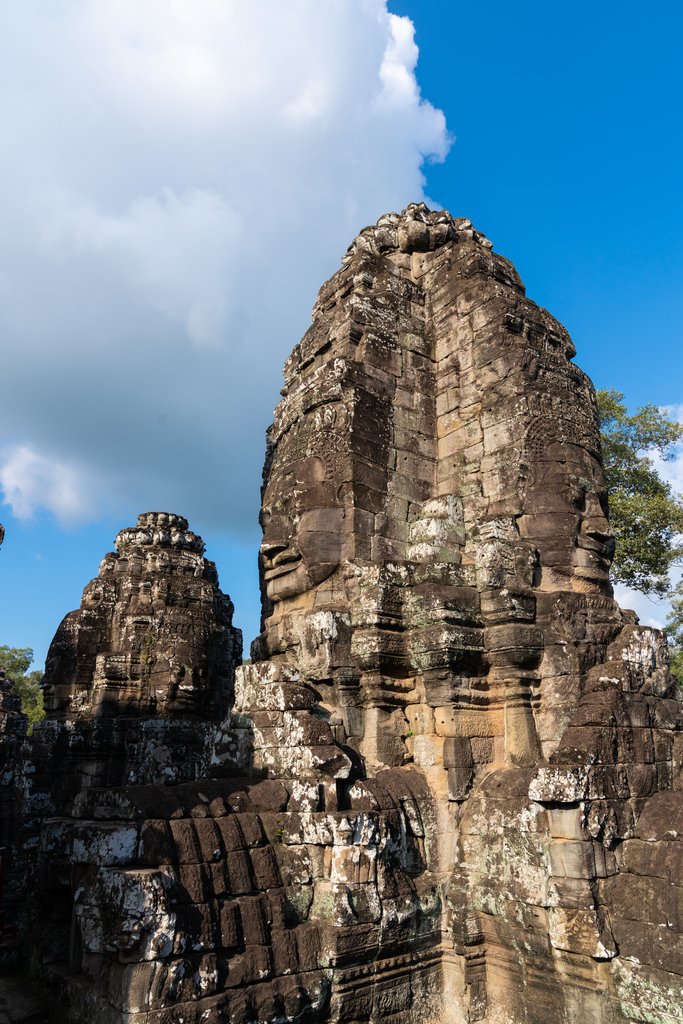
[(448, 786), (135, 676), (434, 506)]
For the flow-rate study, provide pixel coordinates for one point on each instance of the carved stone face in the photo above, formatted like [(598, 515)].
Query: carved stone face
[(566, 517), (302, 515), (153, 635), (303, 526)]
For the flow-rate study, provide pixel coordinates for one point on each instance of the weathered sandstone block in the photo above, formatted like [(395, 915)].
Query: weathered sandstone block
[(448, 787)]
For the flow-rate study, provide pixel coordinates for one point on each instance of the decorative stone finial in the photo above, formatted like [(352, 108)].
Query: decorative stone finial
[(416, 229), (160, 529)]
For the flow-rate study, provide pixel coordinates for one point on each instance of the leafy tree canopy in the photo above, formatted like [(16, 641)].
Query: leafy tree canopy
[(645, 512), (674, 631), (17, 660)]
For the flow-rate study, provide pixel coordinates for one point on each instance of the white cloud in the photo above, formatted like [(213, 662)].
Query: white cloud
[(671, 471), (29, 481), (182, 179), (650, 613), (157, 248)]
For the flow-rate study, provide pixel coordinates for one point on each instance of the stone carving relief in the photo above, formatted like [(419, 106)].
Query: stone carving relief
[(447, 787), (153, 632)]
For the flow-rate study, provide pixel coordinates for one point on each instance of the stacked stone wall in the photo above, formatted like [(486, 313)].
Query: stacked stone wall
[(448, 789)]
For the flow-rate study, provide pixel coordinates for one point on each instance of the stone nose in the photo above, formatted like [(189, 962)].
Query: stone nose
[(596, 528), (274, 553), (595, 522), (270, 549)]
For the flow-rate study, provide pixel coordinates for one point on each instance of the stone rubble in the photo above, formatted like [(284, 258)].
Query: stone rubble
[(448, 786)]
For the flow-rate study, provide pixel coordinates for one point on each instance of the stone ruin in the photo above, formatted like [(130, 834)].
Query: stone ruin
[(447, 788)]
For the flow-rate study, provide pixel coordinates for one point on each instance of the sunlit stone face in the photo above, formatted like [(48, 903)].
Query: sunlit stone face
[(302, 516), (565, 517)]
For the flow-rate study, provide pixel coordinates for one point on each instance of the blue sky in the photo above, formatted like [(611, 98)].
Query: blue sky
[(181, 180), (568, 120)]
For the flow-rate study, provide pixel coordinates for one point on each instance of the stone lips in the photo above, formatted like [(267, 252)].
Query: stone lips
[(448, 788)]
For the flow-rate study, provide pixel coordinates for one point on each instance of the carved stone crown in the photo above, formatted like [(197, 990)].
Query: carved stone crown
[(415, 229), (160, 529)]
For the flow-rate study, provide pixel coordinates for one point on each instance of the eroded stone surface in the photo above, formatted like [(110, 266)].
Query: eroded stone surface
[(448, 788), (13, 729), (435, 559), (137, 679), (153, 634)]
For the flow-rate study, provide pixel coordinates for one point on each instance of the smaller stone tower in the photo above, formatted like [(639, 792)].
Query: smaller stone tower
[(153, 635), (137, 676)]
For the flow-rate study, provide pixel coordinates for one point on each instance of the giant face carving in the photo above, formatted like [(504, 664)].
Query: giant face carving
[(302, 516), (566, 517)]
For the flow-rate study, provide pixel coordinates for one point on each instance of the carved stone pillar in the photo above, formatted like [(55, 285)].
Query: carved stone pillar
[(521, 742)]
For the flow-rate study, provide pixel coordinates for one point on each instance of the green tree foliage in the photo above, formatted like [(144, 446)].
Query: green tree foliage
[(674, 632), (645, 512), (17, 661)]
